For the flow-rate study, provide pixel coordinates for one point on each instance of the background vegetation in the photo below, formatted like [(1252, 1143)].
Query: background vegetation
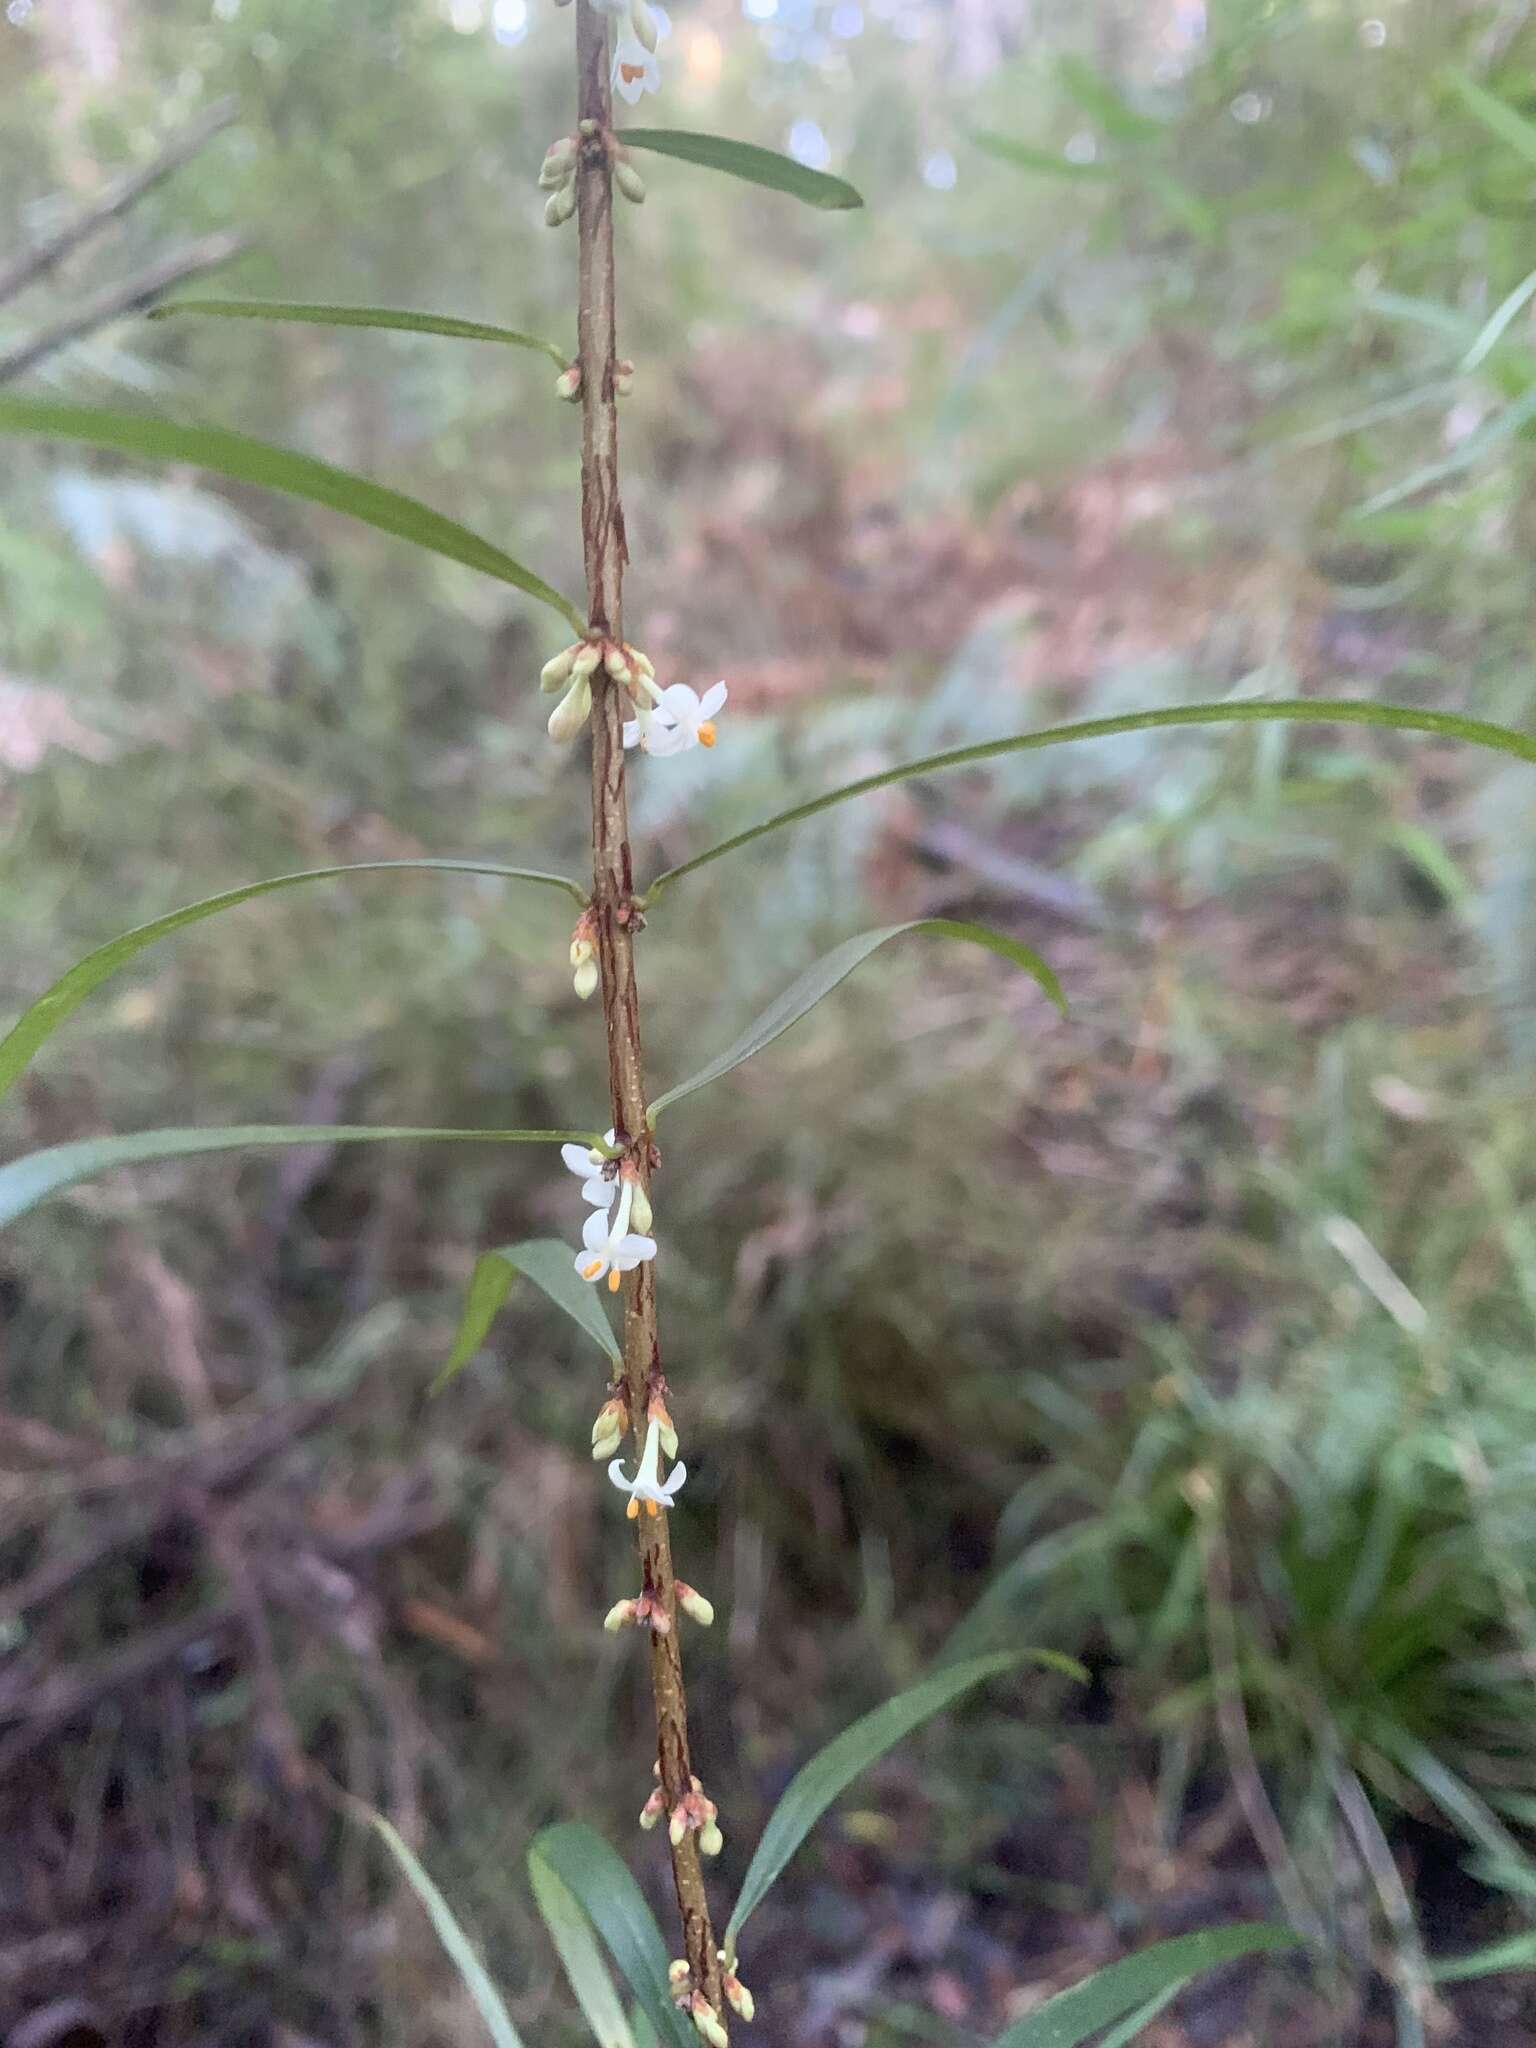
[(1191, 1335)]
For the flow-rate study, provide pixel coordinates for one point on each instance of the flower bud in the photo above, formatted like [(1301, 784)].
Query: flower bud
[(707, 2020), (623, 379), (559, 162), (677, 1826), (561, 206), (694, 1605), (737, 1996), (572, 712), (619, 1615), (641, 1217), (568, 384), (652, 1810), (640, 662), (588, 127), (677, 1972), (711, 1841), (628, 179), (656, 1411), (587, 658), (643, 23), (585, 981), (616, 665), (556, 672)]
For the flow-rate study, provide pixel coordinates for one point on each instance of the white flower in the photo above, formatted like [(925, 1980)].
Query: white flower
[(587, 1163), (679, 719), (648, 1484), (612, 1245), (636, 69)]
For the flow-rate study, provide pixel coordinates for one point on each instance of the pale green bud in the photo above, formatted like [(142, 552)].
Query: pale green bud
[(711, 1841), (556, 672), (568, 384), (641, 1217), (561, 206), (738, 1997), (619, 1615), (652, 1810), (616, 665), (572, 712), (585, 981), (623, 379), (644, 24), (694, 1605), (628, 179), (559, 162), (677, 1826), (587, 659), (707, 2020), (677, 1972)]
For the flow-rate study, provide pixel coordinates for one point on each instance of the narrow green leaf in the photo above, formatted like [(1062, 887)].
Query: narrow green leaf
[(603, 1888), (487, 1999), (1517, 1953), (1492, 434), (1477, 732), (1096, 96), (812, 1790), (747, 160), (571, 1932), (32, 1179), (1496, 115), (38, 1024), (258, 462), (1025, 156), (1498, 322), (1143, 2016), (1071, 2016), (804, 993), (551, 1266), (393, 318)]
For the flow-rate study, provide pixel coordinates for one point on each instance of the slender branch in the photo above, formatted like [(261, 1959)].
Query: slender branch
[(117, 200), (616, 921), (119, 300)]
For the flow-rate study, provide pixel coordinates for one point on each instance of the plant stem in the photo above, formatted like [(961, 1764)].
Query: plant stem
[(602, 523)]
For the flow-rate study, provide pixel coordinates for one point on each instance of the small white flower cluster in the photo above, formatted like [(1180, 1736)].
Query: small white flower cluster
[(666, 721), (738, 1997), (640, 29), (610, 1245)]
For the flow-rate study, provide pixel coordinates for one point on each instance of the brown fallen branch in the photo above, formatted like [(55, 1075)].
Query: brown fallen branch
[(119, 301), (118, 199)]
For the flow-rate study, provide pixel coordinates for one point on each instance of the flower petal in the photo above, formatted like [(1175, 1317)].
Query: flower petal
[(616, 1474), (680, 701), (631, 732), (578, 1159), (713, 698), (673, 1482), (665, 740), (600, 1193), (594, 1232)]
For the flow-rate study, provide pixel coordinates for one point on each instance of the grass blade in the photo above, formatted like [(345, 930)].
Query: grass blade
[(586, 1972), (392, 318), (32, 1179), (596, 1878), (812, 1790), (248, 461), (1492, 434), (746, 160), (1477, 732), (804, 993), (550, 1265), (460, 1950), (38, 1024), (1025, 156), (1109, 1994), (1496, 115)]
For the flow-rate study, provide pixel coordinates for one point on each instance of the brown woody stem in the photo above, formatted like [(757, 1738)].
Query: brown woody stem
[(602, 522)]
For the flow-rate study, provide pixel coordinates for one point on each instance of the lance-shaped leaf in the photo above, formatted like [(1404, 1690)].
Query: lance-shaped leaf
[(747, 160), (806, 992), (248, 461), (27, 1181), (812, 1790), (1496, 115), (551, 1266), (600, 1884), (37, 1024), (576, 1945), (1477, 732), (1027, 156), (394, 319), (460, 1950), (1109, 1994)]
